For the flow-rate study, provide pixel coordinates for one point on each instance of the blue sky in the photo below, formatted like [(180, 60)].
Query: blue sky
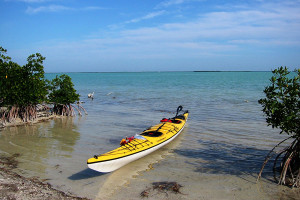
[(165, 35)]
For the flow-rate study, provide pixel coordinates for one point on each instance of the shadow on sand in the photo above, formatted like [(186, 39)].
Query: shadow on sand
[(221, 158), (85, 174)]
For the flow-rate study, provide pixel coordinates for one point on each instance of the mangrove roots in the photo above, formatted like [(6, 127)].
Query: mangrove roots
[(286, 166), (25, 113)]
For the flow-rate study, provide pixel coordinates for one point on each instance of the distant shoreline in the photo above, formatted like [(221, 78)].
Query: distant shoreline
[(230, 71), (154, 71)]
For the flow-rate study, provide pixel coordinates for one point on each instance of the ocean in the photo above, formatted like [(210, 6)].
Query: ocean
[(217, 156)]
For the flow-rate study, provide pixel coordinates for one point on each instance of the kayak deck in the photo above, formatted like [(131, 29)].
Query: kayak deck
[(142, 144)]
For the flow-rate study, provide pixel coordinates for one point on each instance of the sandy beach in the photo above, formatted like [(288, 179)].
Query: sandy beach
[(15, 186)]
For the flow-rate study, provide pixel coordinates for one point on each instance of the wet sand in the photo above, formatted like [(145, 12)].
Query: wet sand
[(136, 181), (15, 186)]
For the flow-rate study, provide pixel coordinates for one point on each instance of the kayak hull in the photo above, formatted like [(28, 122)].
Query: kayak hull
[(112, 165), (140, 145)]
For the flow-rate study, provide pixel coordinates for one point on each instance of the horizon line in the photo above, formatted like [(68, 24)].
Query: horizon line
[(163, 71)]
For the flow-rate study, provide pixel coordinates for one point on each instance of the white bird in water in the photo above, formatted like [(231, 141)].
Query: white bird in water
[(91, 95)]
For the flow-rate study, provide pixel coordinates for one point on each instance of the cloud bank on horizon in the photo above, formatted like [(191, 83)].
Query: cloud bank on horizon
[(167, 35)]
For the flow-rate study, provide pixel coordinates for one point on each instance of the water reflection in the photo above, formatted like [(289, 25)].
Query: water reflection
[(64, 134), (39, 143)]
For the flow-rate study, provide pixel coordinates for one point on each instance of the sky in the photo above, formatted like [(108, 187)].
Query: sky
[(153, 35)]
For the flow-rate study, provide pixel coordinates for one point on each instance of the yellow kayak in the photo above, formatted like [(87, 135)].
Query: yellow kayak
[(141, 144)]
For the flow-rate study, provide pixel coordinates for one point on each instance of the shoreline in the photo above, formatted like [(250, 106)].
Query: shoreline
[(16, 186)]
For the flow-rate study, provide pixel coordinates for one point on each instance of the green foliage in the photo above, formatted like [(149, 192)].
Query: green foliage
[(22, 86), (9, 81), (3, 58), (282, 103), (62, 91)]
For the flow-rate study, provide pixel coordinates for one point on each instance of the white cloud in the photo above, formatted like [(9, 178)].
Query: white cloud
[(225, 32), (171, 2), (51, 8), (211, 33), (148, 16), (59, 8), (32, 1), (168, 3)]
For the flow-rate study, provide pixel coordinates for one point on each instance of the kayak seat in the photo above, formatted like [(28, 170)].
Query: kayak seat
[(173, 120), (179, 117), (152, 134), (176, 121)]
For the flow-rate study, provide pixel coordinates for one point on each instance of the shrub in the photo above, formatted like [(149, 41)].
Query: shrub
[(282, 109), (62, 94)]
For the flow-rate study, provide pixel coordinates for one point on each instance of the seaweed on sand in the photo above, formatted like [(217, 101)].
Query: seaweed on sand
[(163, 186), (10, 161), (15, 186), (167, 186)]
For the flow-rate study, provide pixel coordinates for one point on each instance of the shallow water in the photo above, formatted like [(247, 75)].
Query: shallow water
[(217, 156)]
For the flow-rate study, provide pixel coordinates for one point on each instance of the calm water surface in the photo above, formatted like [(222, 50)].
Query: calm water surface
[(217, 156)]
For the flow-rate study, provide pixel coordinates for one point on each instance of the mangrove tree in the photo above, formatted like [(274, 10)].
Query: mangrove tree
[(282, 109)]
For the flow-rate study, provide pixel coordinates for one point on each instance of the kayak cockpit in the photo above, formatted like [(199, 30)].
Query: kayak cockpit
[(152, 134)]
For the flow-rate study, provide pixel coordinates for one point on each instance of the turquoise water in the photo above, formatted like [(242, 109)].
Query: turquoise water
[(219, 153), (207, 94)]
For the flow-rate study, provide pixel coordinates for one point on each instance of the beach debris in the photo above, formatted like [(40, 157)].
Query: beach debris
[(145, 193), (163, 186), (15, 186), (10, 161), (167, 186)]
